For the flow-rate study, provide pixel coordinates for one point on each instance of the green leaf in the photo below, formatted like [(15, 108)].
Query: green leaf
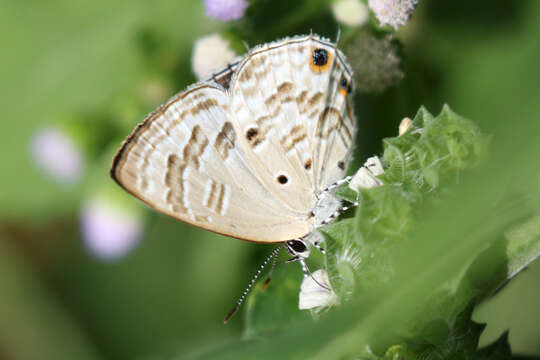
[(419, 253), (500, 349), (39, 326)]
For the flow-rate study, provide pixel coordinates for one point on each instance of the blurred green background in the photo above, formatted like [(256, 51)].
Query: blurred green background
[(89, 60)]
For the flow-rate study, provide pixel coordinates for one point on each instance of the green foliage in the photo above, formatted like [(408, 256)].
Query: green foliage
[(431, 149), (405, 294)]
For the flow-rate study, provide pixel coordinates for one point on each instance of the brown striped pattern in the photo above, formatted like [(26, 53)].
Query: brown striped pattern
[(256, 137), (324, 131), (225, 140), (297, 134), (194, 110), (195, 147), (216, 198), (175, 184)]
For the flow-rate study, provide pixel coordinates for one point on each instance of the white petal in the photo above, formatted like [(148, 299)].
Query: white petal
[(313, 295), (210, 53), (392, 12), (366, 176), (350, 12), (404, 125), (374, 165)]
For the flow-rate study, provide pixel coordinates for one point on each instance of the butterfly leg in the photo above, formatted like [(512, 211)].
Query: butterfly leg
[(305, 269), (293, 259), (337, 183), (300, 251), (307, 273), (338, 212)]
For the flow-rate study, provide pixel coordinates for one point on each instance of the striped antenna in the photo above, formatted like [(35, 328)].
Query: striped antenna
[(273, 254)]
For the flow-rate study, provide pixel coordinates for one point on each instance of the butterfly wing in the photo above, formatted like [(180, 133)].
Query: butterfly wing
[(184, 160), (332, 120), (293, 119)]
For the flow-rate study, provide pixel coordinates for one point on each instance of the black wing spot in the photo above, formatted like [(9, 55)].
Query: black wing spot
[(320, 57), (345, 84), (251, 133)]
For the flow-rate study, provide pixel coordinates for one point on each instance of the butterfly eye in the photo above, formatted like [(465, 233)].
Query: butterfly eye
[(345, 86), (297, 245), (320, 60)]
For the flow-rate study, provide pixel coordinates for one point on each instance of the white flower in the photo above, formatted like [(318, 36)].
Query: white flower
[(404, 125), (313, 295), (57, 155), (350, 12), (374, 165), (109, 230), (210, 53), (392, 12), (366, 176)]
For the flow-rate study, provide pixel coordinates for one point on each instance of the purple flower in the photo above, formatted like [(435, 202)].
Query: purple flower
[(392, 12), (56, 154), (109, 231), (225, 10)]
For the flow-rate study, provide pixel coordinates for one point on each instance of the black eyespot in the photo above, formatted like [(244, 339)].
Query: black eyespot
[(297, 245), (320, 57), (282, 179), (341, 165), (345, 84), (308, 163), (251, 133)]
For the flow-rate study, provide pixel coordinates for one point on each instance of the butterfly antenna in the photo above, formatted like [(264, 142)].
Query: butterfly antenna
[(246, 45), (269, 277), (273, 254), (338, 36)]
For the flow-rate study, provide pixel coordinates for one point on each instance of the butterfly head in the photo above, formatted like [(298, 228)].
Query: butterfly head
[(298, 249)]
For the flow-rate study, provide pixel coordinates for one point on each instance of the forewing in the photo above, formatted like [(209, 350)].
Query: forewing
[(292, 118), (263, 102), (185, 161)]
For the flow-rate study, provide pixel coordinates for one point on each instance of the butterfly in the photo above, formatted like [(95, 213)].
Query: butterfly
[(255, 151)]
